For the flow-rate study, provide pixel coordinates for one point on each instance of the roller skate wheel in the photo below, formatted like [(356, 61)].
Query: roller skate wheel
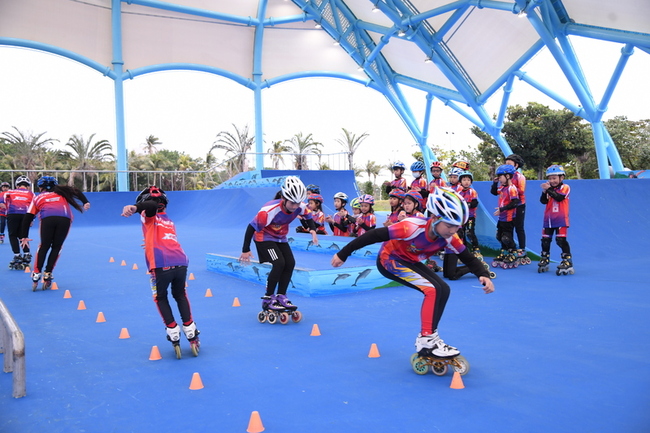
[(272, 318), (439, 368), (419, 365), (177, 351), (558, 272), (515, 264), (461, 365), (284, 318), (571, 271), (194, 345), (261, 317), (296, 316), (493, 275), (34, 286), (495, 264)]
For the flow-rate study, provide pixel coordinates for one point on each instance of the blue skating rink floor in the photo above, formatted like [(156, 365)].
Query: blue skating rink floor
[(547, 353)]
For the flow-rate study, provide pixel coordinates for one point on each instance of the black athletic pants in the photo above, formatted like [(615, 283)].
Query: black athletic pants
[(14, 222), (519, 220), (161, 278), (280, 256), (54, 230)]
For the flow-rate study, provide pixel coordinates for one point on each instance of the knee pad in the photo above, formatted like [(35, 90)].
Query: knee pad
[(562, 242), (546, 244)]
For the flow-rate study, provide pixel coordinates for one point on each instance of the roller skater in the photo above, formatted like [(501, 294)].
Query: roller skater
[(269, 228), (4, 187), (405, 245), (519, 181), (167, 264), (555, 196), (16, 202), (506, 210), (543, 262)]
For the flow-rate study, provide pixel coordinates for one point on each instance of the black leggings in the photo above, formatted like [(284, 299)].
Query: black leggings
[(520, 217), (14, 222), (54, 230), (3, 223), (280, 256), (161, 278)]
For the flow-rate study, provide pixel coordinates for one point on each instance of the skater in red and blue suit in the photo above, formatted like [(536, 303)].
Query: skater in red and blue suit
[(395, 200), (367, 220), (519, 180), (399, 181), (16, 203), (54, 207), (471, 198), (436, 173), (167, 264), (4, 187), (315, 205), (409, 242), (506, 211), (555, 196), (419, 183), (269, 229), (341, 220)]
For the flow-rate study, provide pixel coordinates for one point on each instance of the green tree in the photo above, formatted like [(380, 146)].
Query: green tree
[(301, 146), (236, 146), (150, 144), (86, 155), (350, 143), (24, 150), (276, 151)]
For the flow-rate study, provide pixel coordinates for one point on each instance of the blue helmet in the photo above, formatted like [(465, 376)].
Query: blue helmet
[(314, 189), (455, 171), (399, 164), (506, 169), (555, 169), (417, 166), (466, 173), (47, 182)]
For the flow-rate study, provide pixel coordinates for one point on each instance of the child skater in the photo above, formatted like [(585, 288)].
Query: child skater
[(399, 181), (167, 264), (315, 205), (419, 183), (453, 179), (413, 205), (269, 228), (352, 219), (339, 222), (4, 187), (53, 207), (555, 196), (519, 180), (395, 200), (436, 173), (16, 203), (506, 210), (406, 244), (471, 198), (367, 220)]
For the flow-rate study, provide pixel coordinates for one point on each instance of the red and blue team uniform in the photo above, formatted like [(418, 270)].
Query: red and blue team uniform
[(369, 219), (18, 200), (161, 247), (49, 204), (340, 221), (556, 213), (3, 210), (469, 195), (419, 184), (518, 180), (436, 183), (319, 220), (506, 195), (393, 217), (397, 183), (272, 223)]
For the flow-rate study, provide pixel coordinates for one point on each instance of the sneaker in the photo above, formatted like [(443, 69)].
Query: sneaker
[(434, 346)]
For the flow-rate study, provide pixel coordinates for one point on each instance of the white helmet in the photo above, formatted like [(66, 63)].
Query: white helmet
[(293, 189), (448, 206), (341, 196), (23, 179)]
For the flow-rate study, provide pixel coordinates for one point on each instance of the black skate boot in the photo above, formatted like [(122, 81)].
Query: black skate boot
[(566, 265), (543, 262), (17, 263), (48, 278)]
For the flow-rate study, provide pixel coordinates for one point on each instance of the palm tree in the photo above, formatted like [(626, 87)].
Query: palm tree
[(301, 147), (237, 145), (276, 153), (351, 143), (372, 168), (150, 144), (27, 150), (86, 155)]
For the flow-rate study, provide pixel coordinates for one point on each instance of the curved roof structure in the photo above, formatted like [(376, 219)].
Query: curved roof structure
[(461, 52)]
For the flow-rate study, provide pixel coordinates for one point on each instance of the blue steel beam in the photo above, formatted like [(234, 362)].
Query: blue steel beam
[(257, 78), (118, 64)]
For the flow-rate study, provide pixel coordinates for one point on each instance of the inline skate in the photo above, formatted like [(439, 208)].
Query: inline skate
[(433, 352), (543, 262), (174, 336), (17, 263), (192, 335), (566, 265), (278, 308), (506, 260), (36, 277), (522, 258), (47, 280), (431, 264)]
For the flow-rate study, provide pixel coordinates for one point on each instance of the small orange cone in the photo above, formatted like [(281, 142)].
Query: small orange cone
[(191, 276), (124, 333), (208, 293), (135, 267), (374, 352), (196, 382), (100, 317), (155, 354), (457, 381), (67, 294), (55, 286), (236, 303), (315, 332), (111, 260), (81, 306), (123, 263), (27, 270), (255, 423)]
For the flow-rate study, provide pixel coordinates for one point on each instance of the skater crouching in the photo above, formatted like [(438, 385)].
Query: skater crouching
[(407, 244), (269, 229), (167, 264), (53, 206)]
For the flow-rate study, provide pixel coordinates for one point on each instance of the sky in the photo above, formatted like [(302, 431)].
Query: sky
[(42, 92)]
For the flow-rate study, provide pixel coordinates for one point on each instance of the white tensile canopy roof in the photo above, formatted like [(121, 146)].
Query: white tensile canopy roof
[(461, 52)]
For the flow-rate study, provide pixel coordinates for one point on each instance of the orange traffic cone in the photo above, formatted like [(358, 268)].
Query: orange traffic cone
[(196, 382), (457, 381), (135, 267), (374, 352), (124, 333), (208, 293), (236, 303), (191, 276), (81, 306), (67, 294), (255, 423), (27, 270), (54, 286), (123, 263), (100, 317), (155, 354), (315, 332), (111, 260)]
